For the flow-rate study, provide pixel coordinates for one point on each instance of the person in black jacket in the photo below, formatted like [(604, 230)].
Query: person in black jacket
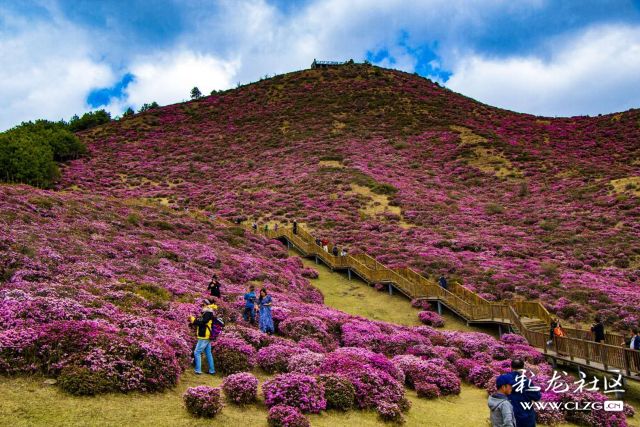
[(295, 227), (214, 286), (598, 330), (204, 327), (523, 391)]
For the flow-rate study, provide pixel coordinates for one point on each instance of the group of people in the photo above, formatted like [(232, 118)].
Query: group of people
[(208, 325), (261, 306), (510, 405), (335, 250)]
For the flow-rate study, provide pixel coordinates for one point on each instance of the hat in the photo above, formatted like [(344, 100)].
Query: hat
[(504, 379)]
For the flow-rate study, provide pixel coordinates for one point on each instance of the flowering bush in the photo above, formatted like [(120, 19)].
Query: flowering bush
[(233, 355), (298, 328), (431, 371), (203, 401), (305, 363), (427, 390), (275, 358), (309, 273), (297, 390), (390, 412), (338, 391), (431, 318), (286, 416), (241, 388), (480, 375)]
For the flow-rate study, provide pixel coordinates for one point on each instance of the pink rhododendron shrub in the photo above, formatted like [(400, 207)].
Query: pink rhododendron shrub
[(309, 273), (480, 375), (431, 318), (305, 363), (203, 401), (338, 391), (432, 371), (390, 412), (233, 355), (298, 328), (275, 358), (241, 388), (286, 416), (297, 390)]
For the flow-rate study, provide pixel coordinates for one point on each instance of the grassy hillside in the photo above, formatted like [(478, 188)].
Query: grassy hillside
[(391, 163)]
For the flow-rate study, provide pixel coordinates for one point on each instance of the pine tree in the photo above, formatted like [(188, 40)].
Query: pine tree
[(195, 93)]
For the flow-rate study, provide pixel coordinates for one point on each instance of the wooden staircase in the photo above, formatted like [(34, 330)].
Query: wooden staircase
[(529, 319)]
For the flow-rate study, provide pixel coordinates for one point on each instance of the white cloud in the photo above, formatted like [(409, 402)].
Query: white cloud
[(46, 71), (593, 72), (169, 77)]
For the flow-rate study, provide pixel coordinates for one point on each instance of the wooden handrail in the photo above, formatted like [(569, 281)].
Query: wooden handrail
[(470, 305)]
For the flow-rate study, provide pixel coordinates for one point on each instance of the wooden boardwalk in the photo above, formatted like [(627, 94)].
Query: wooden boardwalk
[(529, 319)]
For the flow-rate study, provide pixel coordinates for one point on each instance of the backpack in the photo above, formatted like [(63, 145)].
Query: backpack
[(217, 325), (558, 331)]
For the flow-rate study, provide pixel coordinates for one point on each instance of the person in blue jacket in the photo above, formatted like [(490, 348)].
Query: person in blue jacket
[(249, 313), (523, 391)]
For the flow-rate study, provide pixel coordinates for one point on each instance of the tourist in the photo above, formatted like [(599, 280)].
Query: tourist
[(249, 314), (275, 227), (443, 282), (295, 227), (554, 324), (343, 252), (265, 321), (318, 242), (266, 228), (255, 227), (208, 327), (214, 286), (501, 411), (598, 330), (334, 251), (524, 392), (634, 344), (325, 245)]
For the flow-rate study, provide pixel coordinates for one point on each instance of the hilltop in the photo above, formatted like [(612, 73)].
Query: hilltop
[(511, 205)]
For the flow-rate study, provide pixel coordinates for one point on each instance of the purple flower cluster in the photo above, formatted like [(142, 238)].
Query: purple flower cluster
[(431, 318), (203, 401), (297, 390), (241, 388), (286, 416)]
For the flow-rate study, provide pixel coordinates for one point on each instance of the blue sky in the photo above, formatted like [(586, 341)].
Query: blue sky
[(59, 58)]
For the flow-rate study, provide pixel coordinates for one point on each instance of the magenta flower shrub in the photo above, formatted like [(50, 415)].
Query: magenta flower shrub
[(480, 375), (233, 355), (434, 371), (305, 363), (203, 401), (390, 412), (298, 328), (241, 388), (297, 390), (338, 391), (275, 358), (427, 390), (309, 273), (431, 318), (286, 416)]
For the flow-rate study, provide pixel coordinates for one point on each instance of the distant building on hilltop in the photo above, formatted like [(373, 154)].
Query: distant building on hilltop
[(327, 64)]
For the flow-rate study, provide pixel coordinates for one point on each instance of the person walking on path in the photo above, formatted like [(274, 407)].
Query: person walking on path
[(214, 286), (554, 324), (598, 330), (325, 245), (254, 226), (208, 327), (335, 251), (295, 227), (343, 252), (500, 409), (249, 314), (524, 391), (443, 282), (265, 321)]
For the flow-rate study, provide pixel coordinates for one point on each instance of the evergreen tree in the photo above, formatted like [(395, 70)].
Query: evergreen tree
[(195, 93)]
